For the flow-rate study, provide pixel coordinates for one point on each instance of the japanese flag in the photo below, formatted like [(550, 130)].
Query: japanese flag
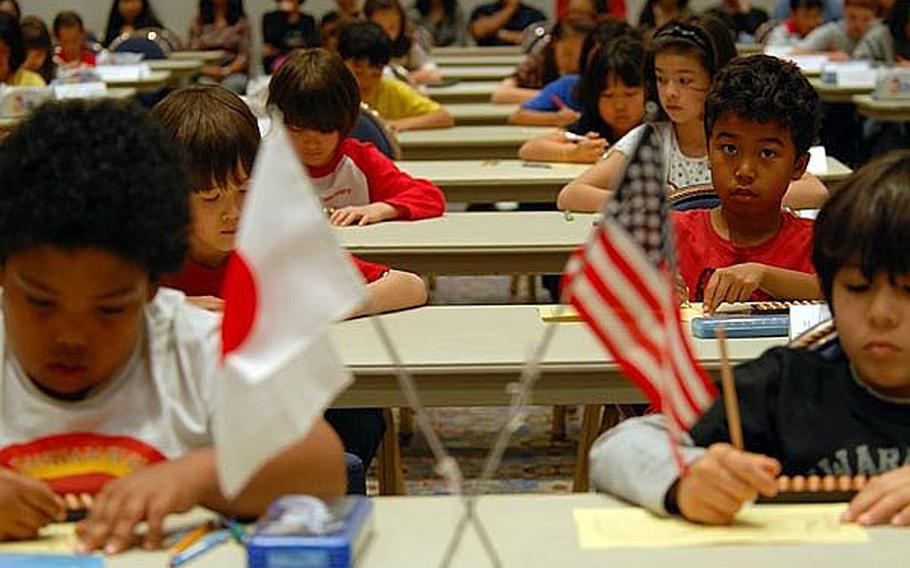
[(286, 283)]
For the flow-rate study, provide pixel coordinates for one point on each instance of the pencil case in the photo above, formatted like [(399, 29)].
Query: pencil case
[(772, 325), (302, 532)]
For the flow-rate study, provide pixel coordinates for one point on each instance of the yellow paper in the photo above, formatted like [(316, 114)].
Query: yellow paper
[(563, 313), (631, 527), (56, 538)]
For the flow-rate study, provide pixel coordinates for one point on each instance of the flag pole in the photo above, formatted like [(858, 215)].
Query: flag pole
[(446, 465), (731, 401)]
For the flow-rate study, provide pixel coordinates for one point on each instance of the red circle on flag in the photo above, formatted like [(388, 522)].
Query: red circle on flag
[(240, 303)]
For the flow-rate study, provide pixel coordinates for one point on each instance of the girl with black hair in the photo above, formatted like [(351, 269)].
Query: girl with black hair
[(612, 97), (128, 16), (223, 25), (12, 56)]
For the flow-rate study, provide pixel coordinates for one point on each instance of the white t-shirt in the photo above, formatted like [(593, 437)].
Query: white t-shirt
[(687, 178), (158, 406)]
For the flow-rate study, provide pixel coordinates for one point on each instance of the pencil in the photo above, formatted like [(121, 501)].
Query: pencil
[(558, 101), (731, 402), (192, 537)]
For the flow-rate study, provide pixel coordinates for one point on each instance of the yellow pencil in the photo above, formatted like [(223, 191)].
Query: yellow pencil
[(191, 537)]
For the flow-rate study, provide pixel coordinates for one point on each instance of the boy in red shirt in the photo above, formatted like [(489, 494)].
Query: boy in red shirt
[(69, 32), (320, 101), (761, 116)]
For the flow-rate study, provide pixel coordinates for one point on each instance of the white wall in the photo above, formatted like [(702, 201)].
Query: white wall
[(176, 14)]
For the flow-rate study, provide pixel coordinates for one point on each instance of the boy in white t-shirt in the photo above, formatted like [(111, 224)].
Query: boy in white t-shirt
[(106, 383)]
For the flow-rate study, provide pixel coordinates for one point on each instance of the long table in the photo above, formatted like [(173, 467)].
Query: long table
[(837, 93), (476, 72), (181, 69), (538, 531), (463, 92), (534, 242), (480, 114), (154, 81), (486, 181), (7, 123), (467, 142), (204, 55), (475, 50), (447, 60), (891, 111), (468, 355)]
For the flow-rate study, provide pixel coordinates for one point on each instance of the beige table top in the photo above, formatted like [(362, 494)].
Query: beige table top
[(155, 80), (205, 55), (748, 48), (538, 531), (467, 142), (467, 355), (112, 93), (486, 181), (446, 60), (835, 93), (463, 92), (474, 50), (837, 171), (892, 111), (476, 72), (474, 114), (532, 242)]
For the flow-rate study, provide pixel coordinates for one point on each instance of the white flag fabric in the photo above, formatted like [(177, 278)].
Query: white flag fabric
[(286, 282)]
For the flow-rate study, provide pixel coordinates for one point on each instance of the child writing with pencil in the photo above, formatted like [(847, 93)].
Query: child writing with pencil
[(841, 410), (613, 102), (320, 102), (761, 116), (108, 382)]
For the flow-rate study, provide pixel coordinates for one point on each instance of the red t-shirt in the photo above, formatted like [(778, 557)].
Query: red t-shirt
[(198, 280), (87, 56), (700, 250)]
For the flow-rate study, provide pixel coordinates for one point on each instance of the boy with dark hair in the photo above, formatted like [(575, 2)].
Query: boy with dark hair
[(841, 409), (108, 383), (366, 49), (840, 38), (761, 116), (219, 137), (805, 16), (320, 102), (71, 50)]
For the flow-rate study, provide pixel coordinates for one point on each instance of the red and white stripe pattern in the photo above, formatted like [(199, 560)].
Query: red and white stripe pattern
[(616, 283)]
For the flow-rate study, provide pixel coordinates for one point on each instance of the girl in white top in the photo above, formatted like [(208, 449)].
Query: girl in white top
[(679, 68)]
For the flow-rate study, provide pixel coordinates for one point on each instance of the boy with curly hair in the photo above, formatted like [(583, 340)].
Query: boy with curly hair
[(761, 116), (107, 383)]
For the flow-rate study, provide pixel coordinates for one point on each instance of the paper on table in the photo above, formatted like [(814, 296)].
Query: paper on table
[(818, 161), (56, 538), (49, 561), (805, 317), (630, 527)]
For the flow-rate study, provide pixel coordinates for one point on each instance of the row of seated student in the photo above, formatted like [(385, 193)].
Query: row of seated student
[(85, 321)]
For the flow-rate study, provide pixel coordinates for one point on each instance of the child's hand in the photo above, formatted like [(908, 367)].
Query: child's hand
[(363, 214), (884, 499), (149, 495), (566, 116), (26, 505), (732, 284), (210, 303), (724, 478), (587, 151)]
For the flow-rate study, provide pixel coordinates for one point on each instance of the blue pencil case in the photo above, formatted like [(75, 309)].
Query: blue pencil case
[(302, 532), (742, 325)]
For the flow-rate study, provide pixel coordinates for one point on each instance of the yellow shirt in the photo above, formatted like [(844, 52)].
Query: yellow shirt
[(26, 78), (395, 99)]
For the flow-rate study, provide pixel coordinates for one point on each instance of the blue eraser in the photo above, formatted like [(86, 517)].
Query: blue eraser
[(302, 532), (768, 325), (50, 561)]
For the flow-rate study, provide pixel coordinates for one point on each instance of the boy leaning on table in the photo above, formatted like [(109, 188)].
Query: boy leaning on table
[(841, 410), (107, 383)]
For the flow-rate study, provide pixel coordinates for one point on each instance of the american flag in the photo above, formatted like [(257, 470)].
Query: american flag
[(618, 281)]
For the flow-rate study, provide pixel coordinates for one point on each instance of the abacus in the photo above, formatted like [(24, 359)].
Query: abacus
[(817, 489), (767, 307)]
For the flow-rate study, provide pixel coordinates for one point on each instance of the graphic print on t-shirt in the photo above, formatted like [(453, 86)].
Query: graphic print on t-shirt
[(78, 462)]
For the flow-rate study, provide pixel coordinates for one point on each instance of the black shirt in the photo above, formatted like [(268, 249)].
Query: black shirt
[(806, 409), (279, 32), (522, 18)]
